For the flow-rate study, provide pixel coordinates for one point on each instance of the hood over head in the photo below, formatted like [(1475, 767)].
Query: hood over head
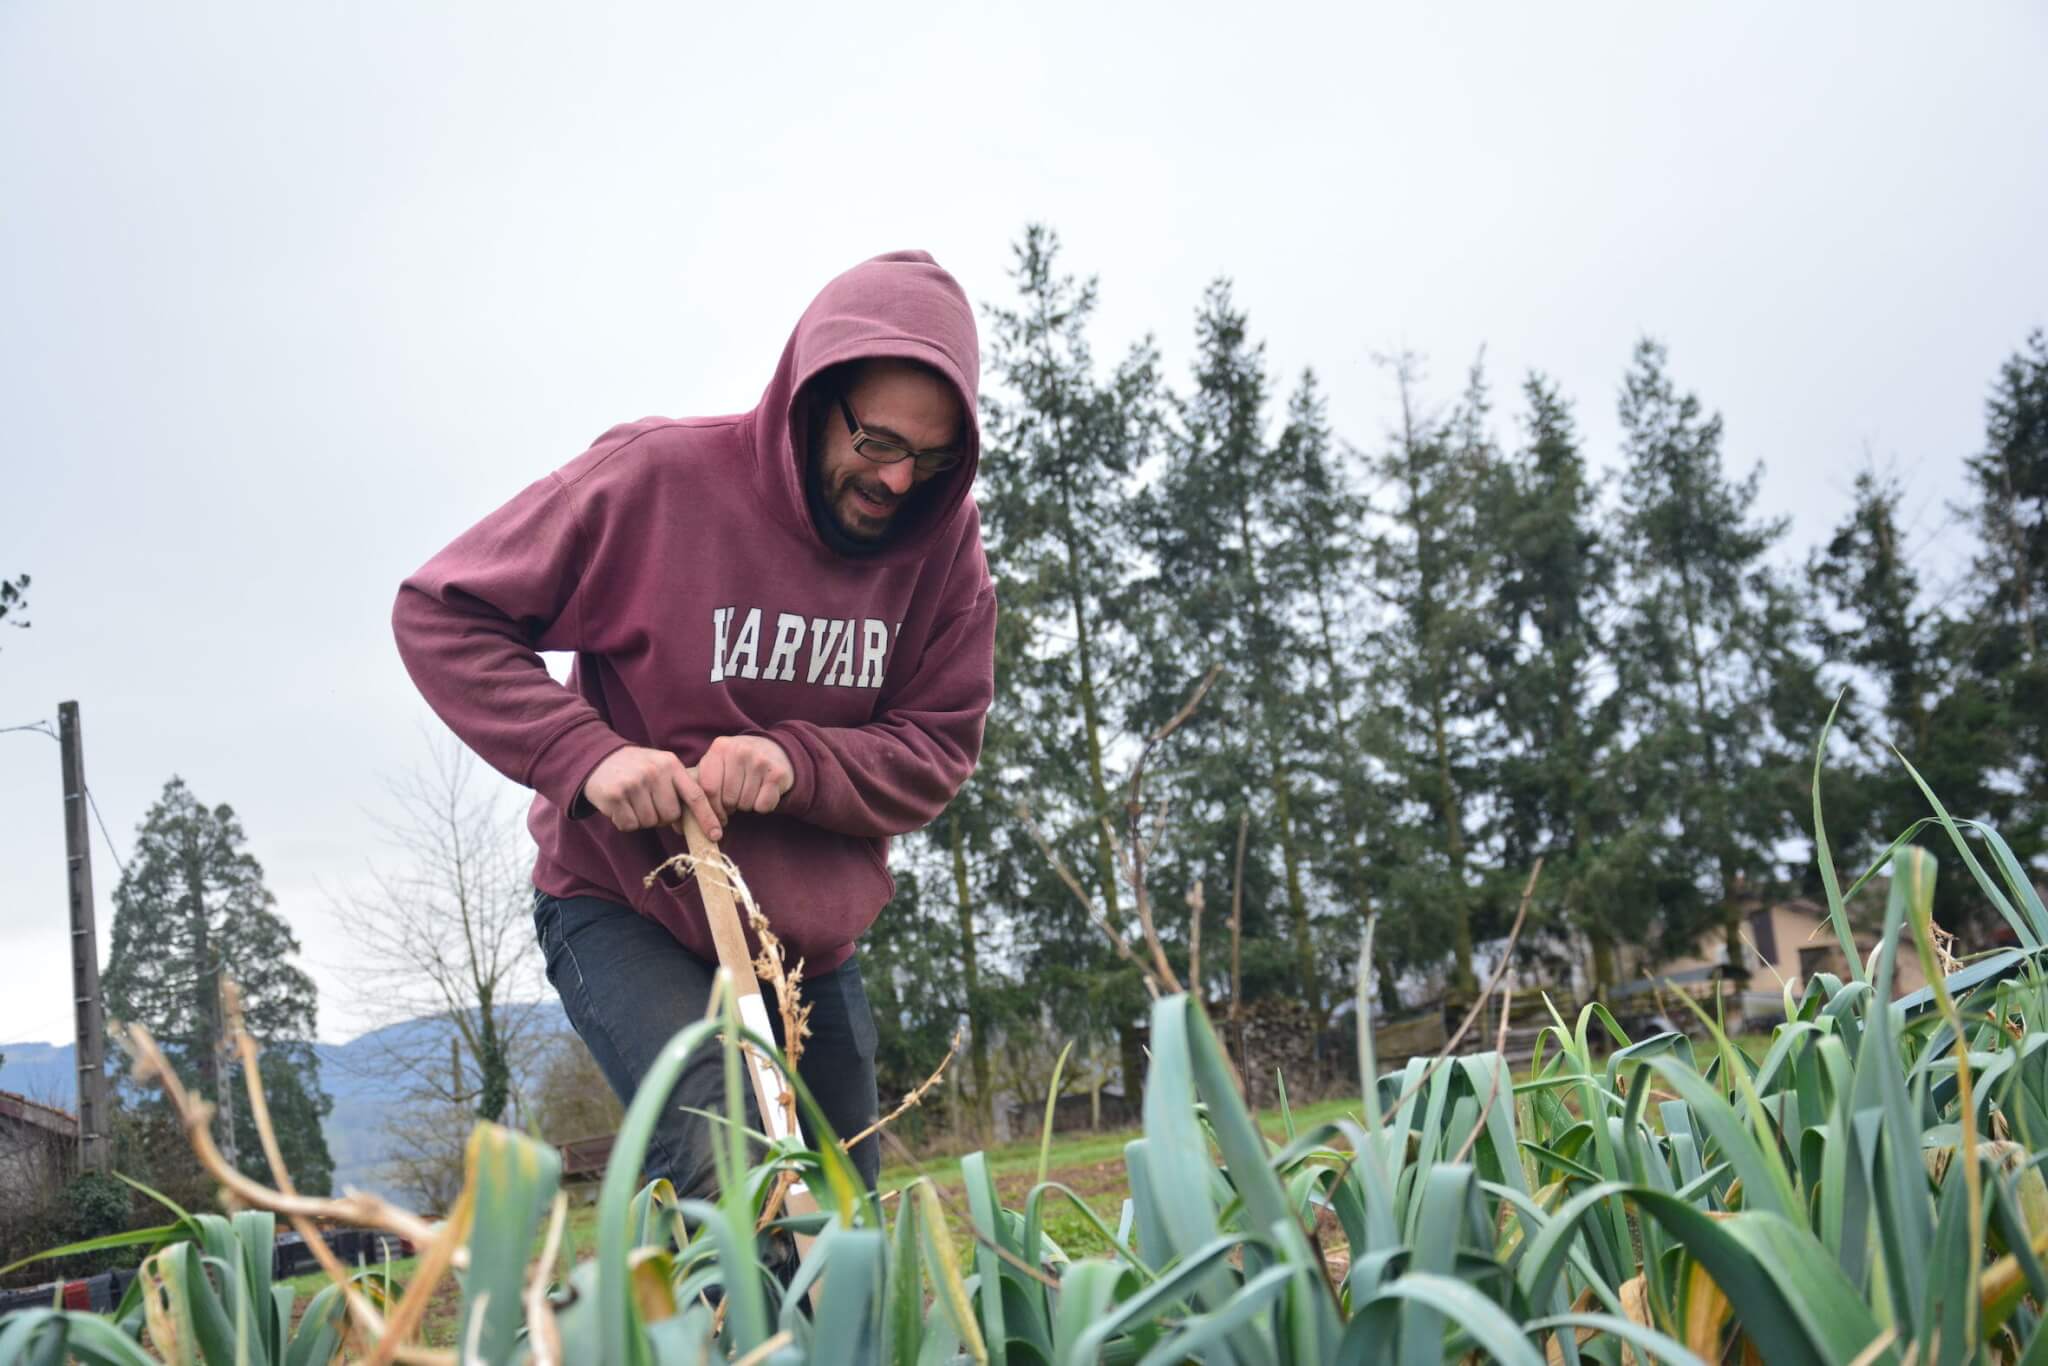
[(902, 305)]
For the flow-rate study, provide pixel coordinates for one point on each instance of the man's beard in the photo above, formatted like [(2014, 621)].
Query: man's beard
[(854, 517)]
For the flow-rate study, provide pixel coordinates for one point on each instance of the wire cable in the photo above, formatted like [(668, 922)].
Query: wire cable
[(94, 803), (44, 728)]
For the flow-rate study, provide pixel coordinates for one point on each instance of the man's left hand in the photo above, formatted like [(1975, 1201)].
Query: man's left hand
[(744, 773)]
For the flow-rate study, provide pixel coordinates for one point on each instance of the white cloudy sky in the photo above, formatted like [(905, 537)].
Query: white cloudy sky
[(289, 294)]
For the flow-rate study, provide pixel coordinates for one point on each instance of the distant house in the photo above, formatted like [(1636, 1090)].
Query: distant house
[(38, 1143), (1784, 944)]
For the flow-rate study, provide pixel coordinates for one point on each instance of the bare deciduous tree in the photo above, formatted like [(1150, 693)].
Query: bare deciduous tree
[(572, 1099), (445, 932)]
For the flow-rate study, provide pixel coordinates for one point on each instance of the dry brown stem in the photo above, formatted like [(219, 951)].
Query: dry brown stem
[(1507, 956), (915, 1097), (195, 1116), (771, 961), (367, 1320), (773, 1206), (435, 1260), (768, 1348), (770, 965), (1500, 1045), (1140, 850), (1244, 821), (543, 1334), (1101, 921)]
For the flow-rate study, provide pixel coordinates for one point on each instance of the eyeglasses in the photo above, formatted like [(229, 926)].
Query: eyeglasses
[(885, 452)]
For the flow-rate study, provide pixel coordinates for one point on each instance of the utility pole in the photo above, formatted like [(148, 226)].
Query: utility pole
[(93, 1107)]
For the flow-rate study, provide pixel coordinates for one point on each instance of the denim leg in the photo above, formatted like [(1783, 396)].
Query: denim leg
[(628, 987), (838, 1065)]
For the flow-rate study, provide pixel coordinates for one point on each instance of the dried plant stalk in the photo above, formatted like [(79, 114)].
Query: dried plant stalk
[(770, 965), (1507, 956), (365, 1315), (543, 1334), (1102, 922), (915, 1097), (436, 1242)]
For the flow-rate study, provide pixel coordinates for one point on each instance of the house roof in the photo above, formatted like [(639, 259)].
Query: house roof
[(19, 1108)]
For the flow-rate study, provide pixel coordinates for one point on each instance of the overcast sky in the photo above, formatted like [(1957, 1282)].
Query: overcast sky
[(290, 294)]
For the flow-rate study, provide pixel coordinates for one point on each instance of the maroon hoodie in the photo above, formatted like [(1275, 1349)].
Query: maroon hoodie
[(680, 561)]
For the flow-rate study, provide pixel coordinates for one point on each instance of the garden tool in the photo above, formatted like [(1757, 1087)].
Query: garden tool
[(778, 1119)]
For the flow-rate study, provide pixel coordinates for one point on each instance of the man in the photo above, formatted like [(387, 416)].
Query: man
[(783, 623)]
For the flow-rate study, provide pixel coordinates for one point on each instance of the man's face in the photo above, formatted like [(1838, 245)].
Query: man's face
[(899, 402)]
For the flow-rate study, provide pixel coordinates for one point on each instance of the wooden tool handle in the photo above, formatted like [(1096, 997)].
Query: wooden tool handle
[(730, 939), (727, 934)]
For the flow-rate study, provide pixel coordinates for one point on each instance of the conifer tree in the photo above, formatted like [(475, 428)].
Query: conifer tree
[(1560, 720), (1216, 517), (1910, 692), (2010, 624), (1063, 445), (1721, 705), (2010, 478), (1320, 561), (1432, 680), (1063, 440), (190, 910)]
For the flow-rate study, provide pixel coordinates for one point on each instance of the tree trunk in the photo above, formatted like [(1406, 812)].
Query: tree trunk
[(1244, 823), (1731, 912), (1347, 753), (1091, 721), (1462, 979), (206, 973), (494, 1074), (2022, 573), (970, 970), (1297, 902), (1603, 960), (1262, 725), (1424, 616)]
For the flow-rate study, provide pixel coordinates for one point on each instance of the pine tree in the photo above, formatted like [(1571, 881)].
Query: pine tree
[(1555, 571), (1911, 692), (1437, 714), (1061, 446), (191, 909), (1722, 708), (1215, 516), (1062, 440), (2009, 627), (1319, 557), (2010, 476)]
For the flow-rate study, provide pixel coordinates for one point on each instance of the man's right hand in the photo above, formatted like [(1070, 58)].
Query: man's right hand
[(640, 789)]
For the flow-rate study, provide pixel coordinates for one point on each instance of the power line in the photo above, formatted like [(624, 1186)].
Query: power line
[(94, 803), (44, 728)]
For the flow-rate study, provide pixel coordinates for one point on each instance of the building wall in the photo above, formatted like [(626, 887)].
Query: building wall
[(1800, 940)]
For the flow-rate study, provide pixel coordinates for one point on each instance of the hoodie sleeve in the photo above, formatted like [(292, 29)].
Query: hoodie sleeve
[(897, 773), (470, 622)]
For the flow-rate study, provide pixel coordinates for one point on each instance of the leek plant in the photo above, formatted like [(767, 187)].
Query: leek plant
[(1869, 1191)]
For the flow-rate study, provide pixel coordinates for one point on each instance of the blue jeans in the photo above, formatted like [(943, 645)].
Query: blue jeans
[(628, 988)]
